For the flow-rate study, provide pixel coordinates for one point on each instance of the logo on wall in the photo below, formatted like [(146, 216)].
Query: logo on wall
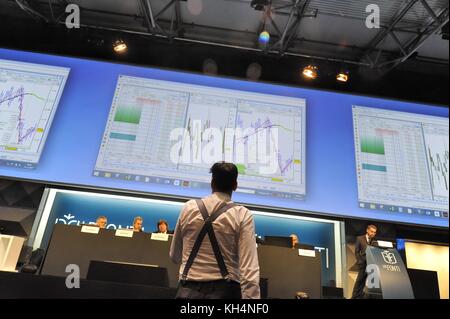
[(389, 257), (69, 219)]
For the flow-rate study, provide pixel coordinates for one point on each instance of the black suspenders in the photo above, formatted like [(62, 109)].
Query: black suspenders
[(208, 229)]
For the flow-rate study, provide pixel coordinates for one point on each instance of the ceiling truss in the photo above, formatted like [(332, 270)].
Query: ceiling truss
[(287, 38)]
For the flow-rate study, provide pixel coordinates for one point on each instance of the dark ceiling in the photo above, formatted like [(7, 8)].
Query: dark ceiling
[(422, 77)]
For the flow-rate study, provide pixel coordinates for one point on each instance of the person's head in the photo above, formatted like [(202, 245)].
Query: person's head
[(224, 177), (371, 231), (101, 221), (137, 223), (163, 226), (294, 238)]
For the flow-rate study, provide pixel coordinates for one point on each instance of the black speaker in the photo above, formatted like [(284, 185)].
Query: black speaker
[(264, 288), (129, 273), (332, 293), (424, 283), (16, 221)]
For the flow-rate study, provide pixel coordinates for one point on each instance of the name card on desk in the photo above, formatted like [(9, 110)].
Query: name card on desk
[(385, 244), (161, 237), (124, 233), (307, 253), (90, 229)]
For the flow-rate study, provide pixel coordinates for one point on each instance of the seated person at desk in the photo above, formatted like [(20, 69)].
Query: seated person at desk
[(297, 245), (163, 227), (295, 240), (137, 224), (101, 222)]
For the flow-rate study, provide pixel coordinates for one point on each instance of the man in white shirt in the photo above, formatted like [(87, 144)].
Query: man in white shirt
[(215, 243)]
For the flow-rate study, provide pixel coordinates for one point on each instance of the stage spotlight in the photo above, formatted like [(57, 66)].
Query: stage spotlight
[(343, 76), (120, 46), (264, 37), (259, 5), (310, 72)]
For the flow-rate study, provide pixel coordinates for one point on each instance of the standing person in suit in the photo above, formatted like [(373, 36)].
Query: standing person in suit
[(360, 253)]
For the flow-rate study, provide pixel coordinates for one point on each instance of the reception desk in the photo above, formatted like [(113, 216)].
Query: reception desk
[(284, 270)]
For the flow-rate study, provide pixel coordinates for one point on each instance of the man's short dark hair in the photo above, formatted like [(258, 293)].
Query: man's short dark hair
[(162, 221), (224, 176)]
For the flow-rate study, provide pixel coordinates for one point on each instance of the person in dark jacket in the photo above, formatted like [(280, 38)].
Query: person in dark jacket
[(360, 253)]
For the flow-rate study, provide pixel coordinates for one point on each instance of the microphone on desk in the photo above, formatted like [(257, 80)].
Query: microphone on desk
[(301, 295), (259, 240)]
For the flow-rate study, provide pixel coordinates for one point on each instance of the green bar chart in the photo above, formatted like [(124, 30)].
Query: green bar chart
[(128, 114), (373, 145)]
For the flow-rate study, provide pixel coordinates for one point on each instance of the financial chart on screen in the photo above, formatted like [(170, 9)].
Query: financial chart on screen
[(402, 161), (168, 132), (29, 97)]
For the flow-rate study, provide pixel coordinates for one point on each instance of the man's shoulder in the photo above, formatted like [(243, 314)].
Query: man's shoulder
[(242, 208), (242, 211), (361, 238), (211, 199), (190, 204)]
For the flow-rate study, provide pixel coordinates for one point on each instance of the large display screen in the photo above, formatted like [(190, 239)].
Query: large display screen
[(147, 116), (147, 130), (402, 161), (29, 97)]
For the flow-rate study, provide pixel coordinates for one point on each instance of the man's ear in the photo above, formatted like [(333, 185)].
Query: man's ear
[(235, 186)]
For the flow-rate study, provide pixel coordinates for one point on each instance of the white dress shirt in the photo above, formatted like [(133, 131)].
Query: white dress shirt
[(235, 232)]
